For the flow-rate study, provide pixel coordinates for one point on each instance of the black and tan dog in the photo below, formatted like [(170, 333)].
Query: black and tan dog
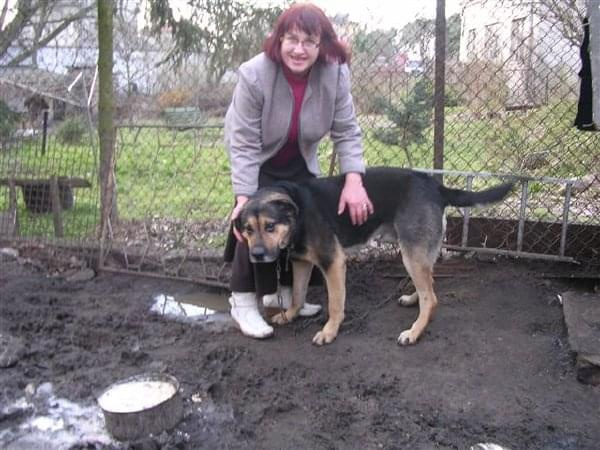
[(409, 206)]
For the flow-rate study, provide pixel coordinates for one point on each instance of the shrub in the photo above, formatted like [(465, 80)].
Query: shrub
[(175, 98), (411, 116), (389, 136), (483, 87), (71, 131), (453, 97), (214, 99)]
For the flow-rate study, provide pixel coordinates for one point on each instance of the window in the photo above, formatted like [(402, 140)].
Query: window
[(492, 44), (518, 40), (472, 36)]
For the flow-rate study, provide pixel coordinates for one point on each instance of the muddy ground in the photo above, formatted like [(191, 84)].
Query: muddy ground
[(494, 365)]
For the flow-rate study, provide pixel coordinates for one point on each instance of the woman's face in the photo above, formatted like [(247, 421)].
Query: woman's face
[(299, 51)]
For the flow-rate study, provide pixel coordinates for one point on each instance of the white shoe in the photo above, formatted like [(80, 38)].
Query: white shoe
[(244, 311), (272, 301)]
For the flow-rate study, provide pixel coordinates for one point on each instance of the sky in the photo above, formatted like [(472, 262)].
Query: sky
[(386, 13), (382, 14), (376, 13)]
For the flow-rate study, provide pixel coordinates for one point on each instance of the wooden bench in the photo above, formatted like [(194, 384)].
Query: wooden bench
[(41, 195)]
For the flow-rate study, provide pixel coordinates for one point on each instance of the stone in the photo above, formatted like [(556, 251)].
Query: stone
[(81, 275), (8, 253), (582, 317), (11, 350)]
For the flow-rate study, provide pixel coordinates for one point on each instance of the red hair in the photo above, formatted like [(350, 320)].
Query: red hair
[(311, 20)]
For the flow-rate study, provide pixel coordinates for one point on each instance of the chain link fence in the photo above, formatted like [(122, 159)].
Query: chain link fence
[(510, 92)]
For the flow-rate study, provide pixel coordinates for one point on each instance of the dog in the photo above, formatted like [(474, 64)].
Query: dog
[(302, 218)]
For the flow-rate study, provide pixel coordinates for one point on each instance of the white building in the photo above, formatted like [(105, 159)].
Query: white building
[(524, 40)]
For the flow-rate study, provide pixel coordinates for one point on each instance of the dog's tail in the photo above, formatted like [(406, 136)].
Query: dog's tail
[(459, 197)]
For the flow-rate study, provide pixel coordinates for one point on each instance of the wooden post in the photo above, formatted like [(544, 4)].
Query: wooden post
[(439, 87), (12, 207), (56, 207), (44, 132), (594, 18)]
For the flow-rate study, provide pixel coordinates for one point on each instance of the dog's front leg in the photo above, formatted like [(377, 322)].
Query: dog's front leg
[(335, 276), (301, 271)]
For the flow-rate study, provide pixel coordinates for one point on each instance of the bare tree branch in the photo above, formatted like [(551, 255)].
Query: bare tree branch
[(566, 16), (226, 32), (3, 14), (26, 11)]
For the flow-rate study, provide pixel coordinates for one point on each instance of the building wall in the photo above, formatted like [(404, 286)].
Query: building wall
[(514, 38)]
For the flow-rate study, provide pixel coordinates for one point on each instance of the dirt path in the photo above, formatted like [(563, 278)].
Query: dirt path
[(494, 366)]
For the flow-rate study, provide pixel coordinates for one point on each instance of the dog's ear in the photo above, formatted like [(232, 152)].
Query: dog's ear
[(237, 223), (288, 214), (288, 208)]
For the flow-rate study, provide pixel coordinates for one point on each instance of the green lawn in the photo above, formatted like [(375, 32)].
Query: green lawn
[(182, 175)]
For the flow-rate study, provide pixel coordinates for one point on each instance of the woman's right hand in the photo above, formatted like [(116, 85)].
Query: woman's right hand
[(240, 200)]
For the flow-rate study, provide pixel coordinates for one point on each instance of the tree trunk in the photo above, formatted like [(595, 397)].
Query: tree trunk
[(106, 129), (439, 87)]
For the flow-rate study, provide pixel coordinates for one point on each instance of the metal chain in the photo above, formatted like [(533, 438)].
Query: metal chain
[(279, 297)]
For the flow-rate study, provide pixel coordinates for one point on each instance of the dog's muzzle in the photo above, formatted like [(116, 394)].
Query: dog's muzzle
[(259, 254)]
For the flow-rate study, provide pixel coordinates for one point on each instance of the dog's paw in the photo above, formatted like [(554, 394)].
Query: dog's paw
[(408, 300), (280, 318), (323, 337), (406, 338)]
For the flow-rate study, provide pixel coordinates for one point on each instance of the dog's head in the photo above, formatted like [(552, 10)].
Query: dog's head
[(267, 221)]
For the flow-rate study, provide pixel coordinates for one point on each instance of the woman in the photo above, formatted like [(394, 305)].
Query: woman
[(286, 100)]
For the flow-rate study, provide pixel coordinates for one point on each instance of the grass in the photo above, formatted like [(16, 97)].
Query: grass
[(28, 161), (184, 175), (179, 175)]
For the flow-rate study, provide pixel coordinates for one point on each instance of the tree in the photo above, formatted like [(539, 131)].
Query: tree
[(225, 32), (106, 129), (376, 42), (566, 16), (420, 34), (32, 26), (135, 52), (410, 118)]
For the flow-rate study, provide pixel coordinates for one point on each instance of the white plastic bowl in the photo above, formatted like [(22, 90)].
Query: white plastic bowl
[(141, 405)]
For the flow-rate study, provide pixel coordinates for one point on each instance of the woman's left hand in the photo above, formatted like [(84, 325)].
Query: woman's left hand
[(355, 198)]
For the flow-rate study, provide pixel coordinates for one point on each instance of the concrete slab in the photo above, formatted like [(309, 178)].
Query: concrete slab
[(582, 317)]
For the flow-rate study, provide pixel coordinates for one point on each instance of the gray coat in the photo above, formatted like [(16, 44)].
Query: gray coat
[(258, 120)]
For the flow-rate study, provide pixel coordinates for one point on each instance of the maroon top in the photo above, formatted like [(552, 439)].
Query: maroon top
[(290, 150)]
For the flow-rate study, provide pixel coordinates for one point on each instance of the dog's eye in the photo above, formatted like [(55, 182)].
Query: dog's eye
[(248, 230), (270, 227)]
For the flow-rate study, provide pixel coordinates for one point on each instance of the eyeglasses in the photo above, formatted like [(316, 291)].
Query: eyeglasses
[(293, 41)]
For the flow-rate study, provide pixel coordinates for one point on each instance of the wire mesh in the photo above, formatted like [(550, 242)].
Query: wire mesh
[(511, 92)]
